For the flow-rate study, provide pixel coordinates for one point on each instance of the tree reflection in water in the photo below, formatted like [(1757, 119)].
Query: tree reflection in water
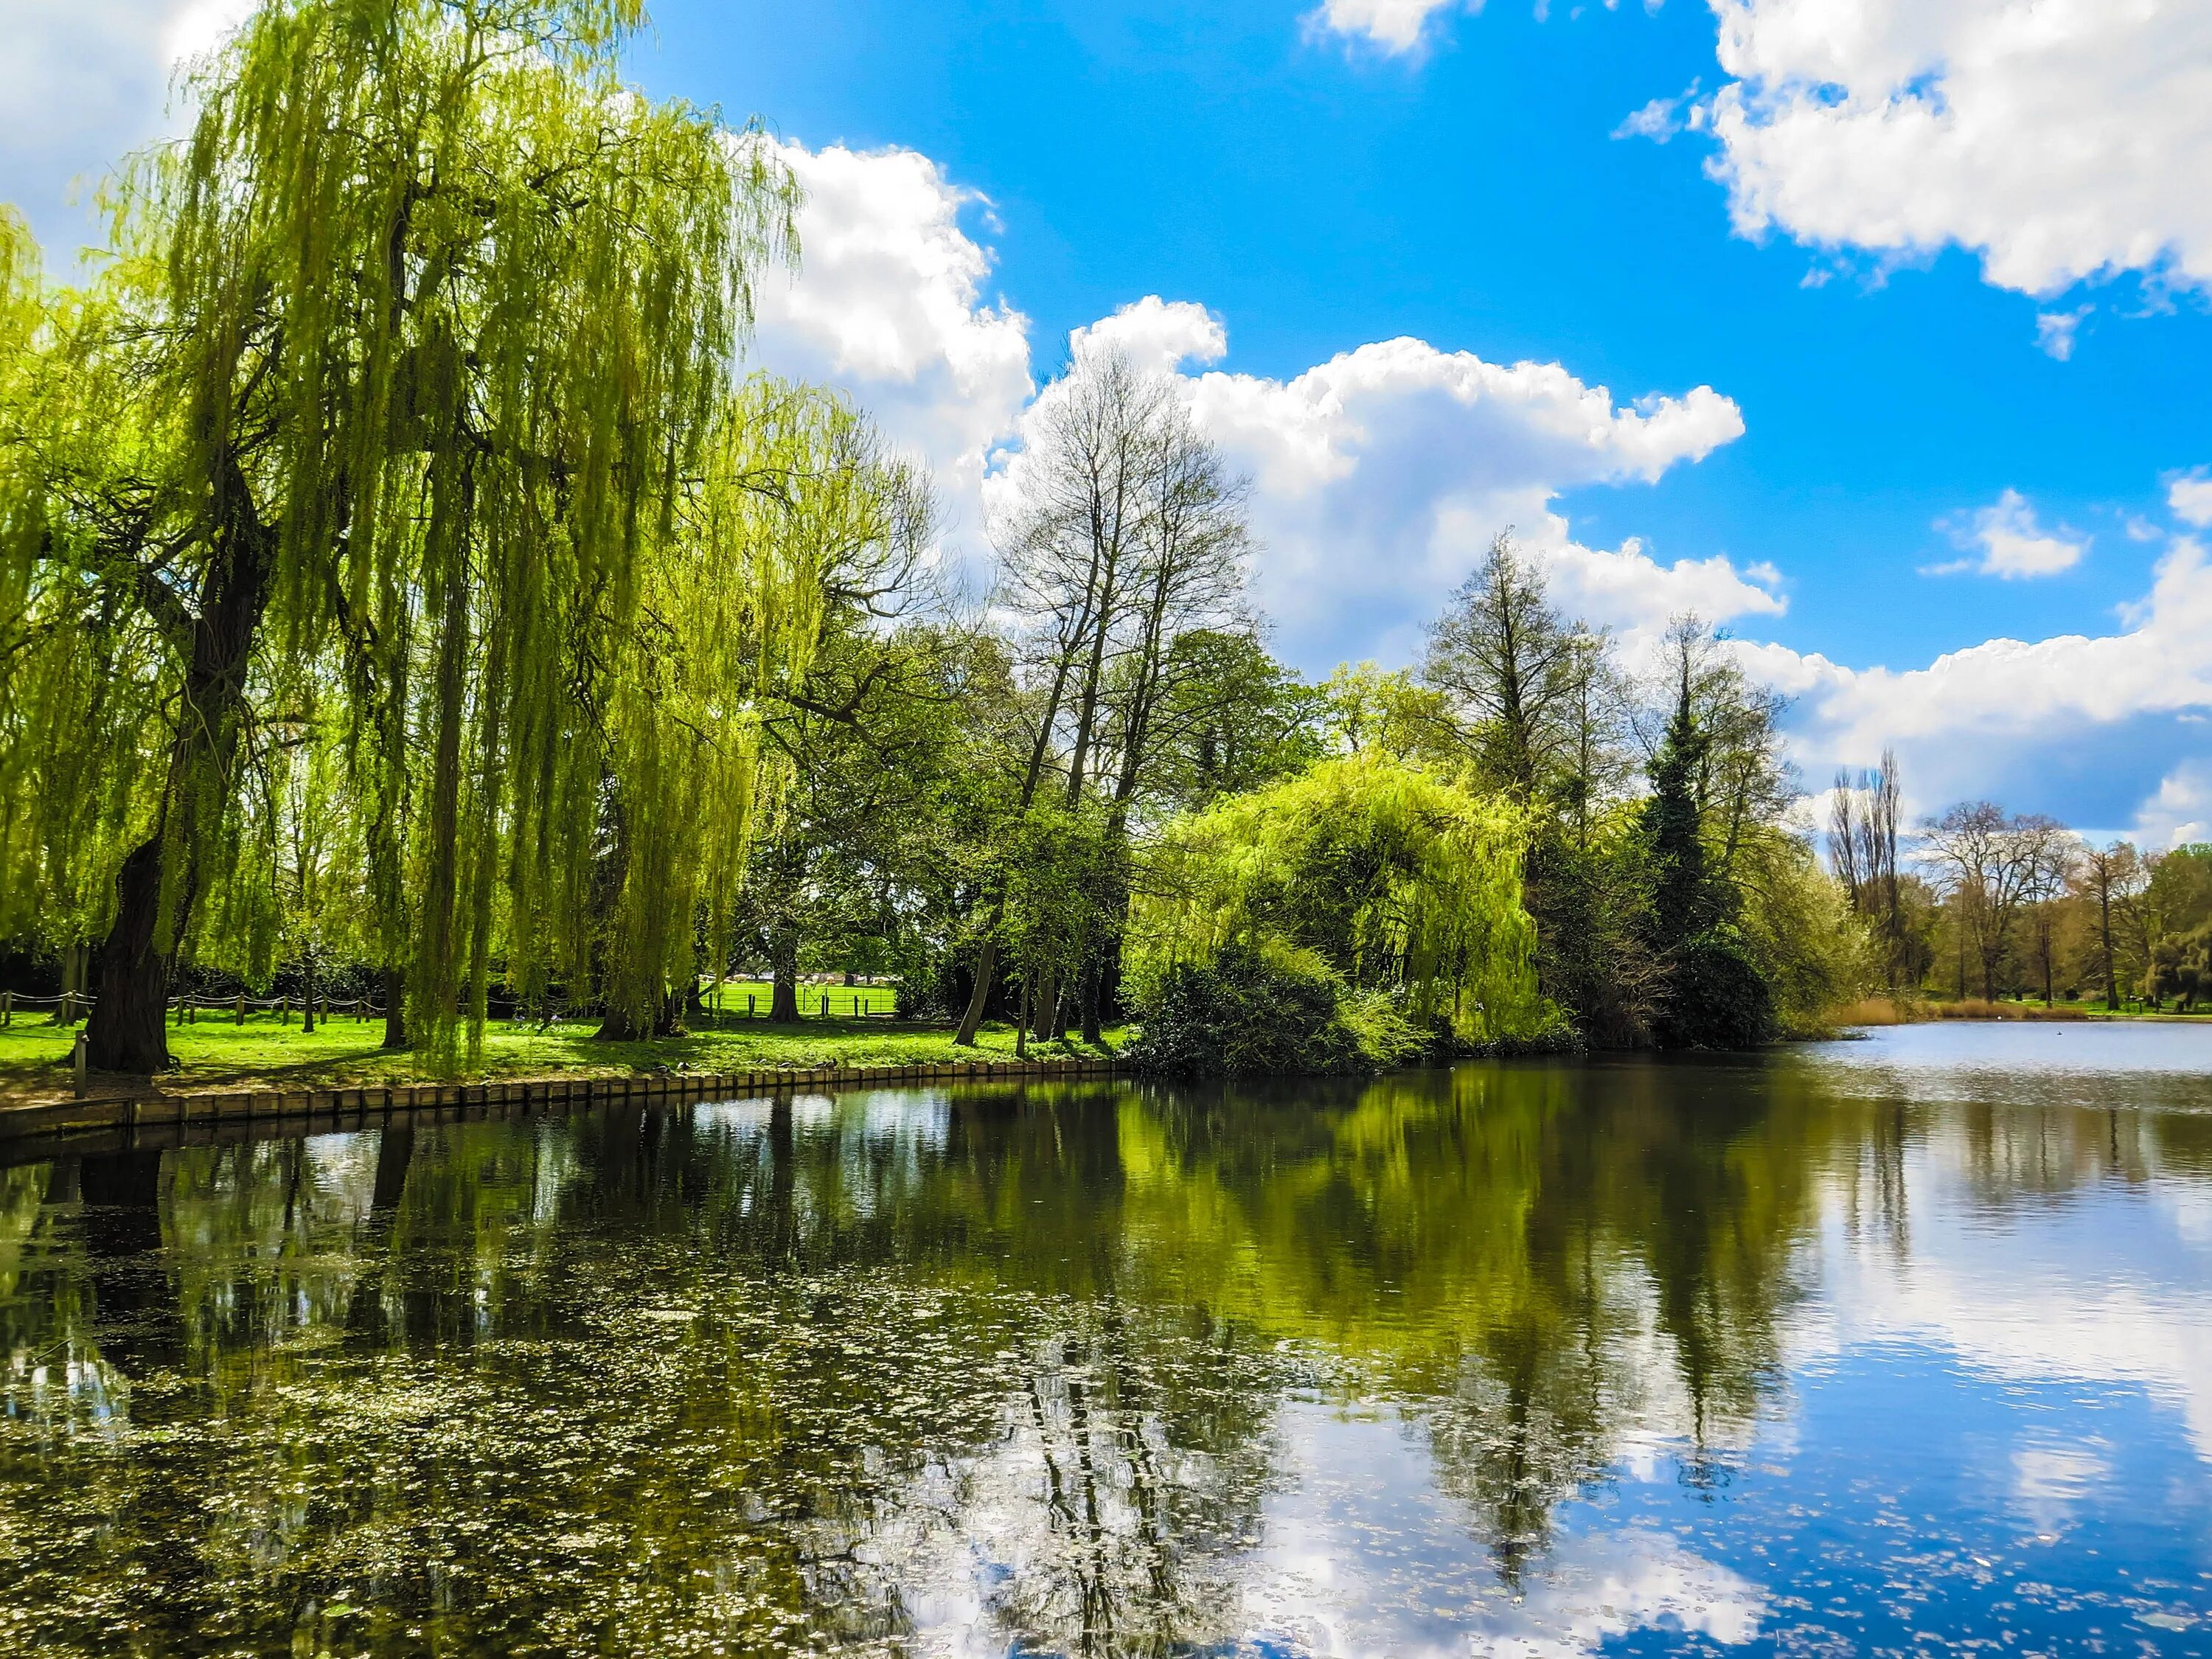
[(1005, 1370)]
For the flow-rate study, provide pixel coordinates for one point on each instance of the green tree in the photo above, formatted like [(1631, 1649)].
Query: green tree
[(427, 321), (1398, 879)]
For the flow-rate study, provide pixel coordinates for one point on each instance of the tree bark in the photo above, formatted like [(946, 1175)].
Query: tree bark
[(783, 962), (986, 966), (2104, 927), (1093, 973), (395, 1007), (126, 1033)]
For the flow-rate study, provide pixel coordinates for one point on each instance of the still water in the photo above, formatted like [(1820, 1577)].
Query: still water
[(1901, 1345)]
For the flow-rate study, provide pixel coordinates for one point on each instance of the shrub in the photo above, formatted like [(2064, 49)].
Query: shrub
[(1717, 997), (1255, 1013)]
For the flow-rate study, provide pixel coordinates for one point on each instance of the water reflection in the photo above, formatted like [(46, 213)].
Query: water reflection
[(1861, 1343)]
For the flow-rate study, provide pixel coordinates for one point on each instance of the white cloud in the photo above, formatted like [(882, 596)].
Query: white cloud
[(1361, 1515), (1394, 25), (1663, 117), (2010, 543), (889, 305), (1380, 476), (2059, 139), (1155, 336), (2054, 331), (82, 83), (2181, 809), (1972, 719), (2190, 499)]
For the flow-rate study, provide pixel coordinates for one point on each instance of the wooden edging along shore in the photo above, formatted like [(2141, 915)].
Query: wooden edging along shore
[(347, 1107)]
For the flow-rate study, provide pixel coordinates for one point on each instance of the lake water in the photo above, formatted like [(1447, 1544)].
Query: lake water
[(1902, 1345)]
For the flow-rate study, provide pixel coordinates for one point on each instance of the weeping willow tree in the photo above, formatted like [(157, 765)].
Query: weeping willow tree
[(88, 485), (439, 317), (1396, 878), (799, 523)]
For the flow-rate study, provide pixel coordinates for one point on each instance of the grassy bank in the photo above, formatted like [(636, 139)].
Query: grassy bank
[(1898, 1011), (216, 1053)]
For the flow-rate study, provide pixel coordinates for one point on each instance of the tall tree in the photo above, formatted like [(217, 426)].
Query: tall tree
[(1991, 865), (1125, 531), (443, 312), (1863, 850), (1514, 668)]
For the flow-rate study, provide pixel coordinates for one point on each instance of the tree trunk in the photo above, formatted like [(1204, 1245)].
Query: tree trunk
[(1045, 1013), (307, 997), (395, 1007), (987, 968), (616, 1025), (783, 962), (126, 1033), (2105, 927), (153, 903), (1093, 1030)]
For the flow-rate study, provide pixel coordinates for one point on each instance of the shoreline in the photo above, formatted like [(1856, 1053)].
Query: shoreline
[(171, 1118)]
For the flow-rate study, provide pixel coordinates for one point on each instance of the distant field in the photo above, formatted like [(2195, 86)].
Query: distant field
[(730, 1001)]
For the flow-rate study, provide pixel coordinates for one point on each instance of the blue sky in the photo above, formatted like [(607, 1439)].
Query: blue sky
[(1943, 265), (1318, 195)]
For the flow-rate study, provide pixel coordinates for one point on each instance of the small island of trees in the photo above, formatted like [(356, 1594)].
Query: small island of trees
[(409, 594)]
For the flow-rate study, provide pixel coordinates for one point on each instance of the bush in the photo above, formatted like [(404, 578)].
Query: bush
[(1717, 997), (1252, 1012)]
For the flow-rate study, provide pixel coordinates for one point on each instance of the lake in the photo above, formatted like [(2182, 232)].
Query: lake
[(1896, 1345)]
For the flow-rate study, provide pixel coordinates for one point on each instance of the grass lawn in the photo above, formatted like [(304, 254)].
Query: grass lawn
[(216, 1053)]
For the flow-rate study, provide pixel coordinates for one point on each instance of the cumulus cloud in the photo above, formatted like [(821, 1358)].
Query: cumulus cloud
[(1379, 476), (1155, 336), (2181, 809), (890, 305), (2190, 499), (2008, 542), (1973, 720), (2059, 139), (1392, 26), (82, 83)]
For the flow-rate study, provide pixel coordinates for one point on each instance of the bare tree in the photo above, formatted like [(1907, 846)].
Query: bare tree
[(2114, 876), (1862, 849), (2053, 860), (1125, 532), (1991, 866)]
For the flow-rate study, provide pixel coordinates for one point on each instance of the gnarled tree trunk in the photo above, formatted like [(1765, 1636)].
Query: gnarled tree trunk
[(126, 1033)]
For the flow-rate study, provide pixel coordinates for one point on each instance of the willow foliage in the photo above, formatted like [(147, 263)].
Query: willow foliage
[(798, 509), (87, 476), (440, 316), (1396, 877)]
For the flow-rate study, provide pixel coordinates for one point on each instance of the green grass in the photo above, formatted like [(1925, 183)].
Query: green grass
[(216, 1053)]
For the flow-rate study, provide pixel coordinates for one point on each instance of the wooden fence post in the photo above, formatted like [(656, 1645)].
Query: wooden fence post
[(77, 1064), (241, 1007), (7, 1008)]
